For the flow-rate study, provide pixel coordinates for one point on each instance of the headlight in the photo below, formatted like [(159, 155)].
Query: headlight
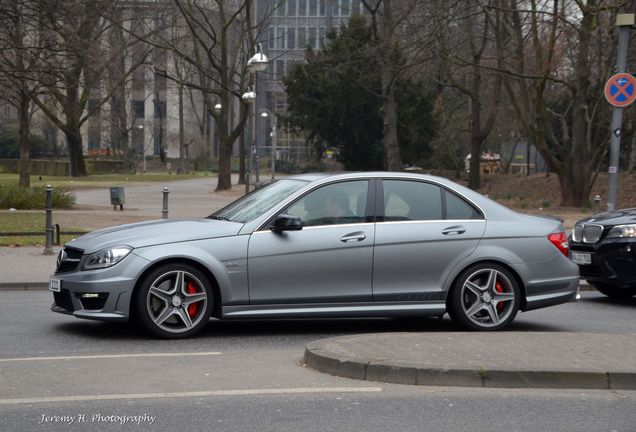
[(106, 258), (620, 231)]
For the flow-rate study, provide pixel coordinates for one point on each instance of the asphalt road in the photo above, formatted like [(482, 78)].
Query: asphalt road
[(242, 375)]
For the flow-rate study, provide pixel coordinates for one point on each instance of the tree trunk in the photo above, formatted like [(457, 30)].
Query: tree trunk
[(241, 179), (181, 169), (389, 105), (75, 152), (225, 168), (23, 138)]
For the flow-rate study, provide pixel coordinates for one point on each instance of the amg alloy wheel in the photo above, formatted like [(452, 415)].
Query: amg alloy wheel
[(484, 297), (174, 301)]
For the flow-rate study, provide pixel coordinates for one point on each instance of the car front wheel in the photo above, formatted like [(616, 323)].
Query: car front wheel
[(484, 297), (174, 301), (614, 291)]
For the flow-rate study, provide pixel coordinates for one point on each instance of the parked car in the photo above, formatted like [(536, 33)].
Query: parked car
[(604, 247), (321, 245)]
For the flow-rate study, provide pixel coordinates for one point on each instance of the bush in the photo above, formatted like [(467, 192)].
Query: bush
[(13, 196)]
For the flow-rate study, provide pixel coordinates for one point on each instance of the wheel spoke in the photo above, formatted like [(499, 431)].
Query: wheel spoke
[(474, 288), (194, 298), (476, 307), (491, 284), (185, 318), (166, 312), (179, 283), (504, 297), (160, 294), (492, 312)]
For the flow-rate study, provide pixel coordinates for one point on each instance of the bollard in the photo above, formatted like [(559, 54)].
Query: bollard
[(164, 211), (48, 209), (597, 203)]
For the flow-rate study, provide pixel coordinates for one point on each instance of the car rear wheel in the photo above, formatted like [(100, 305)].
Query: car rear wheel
[(174, 301), (614, 291), (484, 297)]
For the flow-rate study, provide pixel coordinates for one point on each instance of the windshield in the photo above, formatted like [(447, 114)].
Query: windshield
[(258, 202)]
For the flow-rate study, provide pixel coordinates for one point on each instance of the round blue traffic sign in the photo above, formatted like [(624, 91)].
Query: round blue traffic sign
[(620, 90)]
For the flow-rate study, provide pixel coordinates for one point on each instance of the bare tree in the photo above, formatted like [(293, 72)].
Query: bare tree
[(18, 64), (221, 37), (466, 54), (77, 51), (554, 59)]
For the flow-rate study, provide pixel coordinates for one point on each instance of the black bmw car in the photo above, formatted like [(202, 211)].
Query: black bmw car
[(604, 247)]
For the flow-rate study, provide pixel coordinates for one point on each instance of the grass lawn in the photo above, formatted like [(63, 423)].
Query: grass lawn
[(102, 180), (26, 221)]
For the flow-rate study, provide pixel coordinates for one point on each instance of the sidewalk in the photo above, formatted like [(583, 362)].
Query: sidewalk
[(482, 359)]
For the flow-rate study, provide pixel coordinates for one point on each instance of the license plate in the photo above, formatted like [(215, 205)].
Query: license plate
[(581, 258), (55, 284)]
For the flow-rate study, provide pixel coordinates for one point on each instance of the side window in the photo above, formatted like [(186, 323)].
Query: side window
[(338, 203), (410, 201), (457, 208)]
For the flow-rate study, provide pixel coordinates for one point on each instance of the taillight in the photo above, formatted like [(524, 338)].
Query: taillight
[(561, 242)]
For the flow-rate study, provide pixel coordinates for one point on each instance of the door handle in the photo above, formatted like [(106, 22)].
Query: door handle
[(359, 236), (454, 230)]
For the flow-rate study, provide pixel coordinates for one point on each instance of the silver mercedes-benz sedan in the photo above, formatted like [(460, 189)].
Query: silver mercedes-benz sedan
[(323, 245)]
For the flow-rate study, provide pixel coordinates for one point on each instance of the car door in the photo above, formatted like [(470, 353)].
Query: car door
[(423, 232), (329, 260)]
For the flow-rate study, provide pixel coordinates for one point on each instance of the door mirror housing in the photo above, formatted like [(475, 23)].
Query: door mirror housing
[(286, 222)]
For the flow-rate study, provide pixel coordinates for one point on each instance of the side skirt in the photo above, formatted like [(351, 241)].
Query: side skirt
[(343, 310)]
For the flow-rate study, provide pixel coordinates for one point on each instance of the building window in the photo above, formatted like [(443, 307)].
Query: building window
[(302, 7), (291, 8), (344, 8), (279, 8), (312, 37), (138, 108), (280, 37), (271, 38), (313, 7), (322, 7), (291, 38), (94, 137), (321, 37), (355, 7), (302, 41)]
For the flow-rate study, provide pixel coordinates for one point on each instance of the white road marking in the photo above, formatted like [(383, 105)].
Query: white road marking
[(252, 392), (108, 356)]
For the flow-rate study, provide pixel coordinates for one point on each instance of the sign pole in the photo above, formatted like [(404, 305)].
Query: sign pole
[(624, 22)]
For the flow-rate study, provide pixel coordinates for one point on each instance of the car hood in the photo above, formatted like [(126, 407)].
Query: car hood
[(616, 217), (156, 232)]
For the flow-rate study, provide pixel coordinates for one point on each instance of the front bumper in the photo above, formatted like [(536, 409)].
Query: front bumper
[(103, 294), (613, 261)]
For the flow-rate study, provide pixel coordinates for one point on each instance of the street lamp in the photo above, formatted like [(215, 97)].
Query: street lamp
[(257, 63), (267, 114), (250, 98)]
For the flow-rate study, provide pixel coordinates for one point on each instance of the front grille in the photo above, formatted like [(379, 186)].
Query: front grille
[(68, 260), (587, 233), (63, 299)]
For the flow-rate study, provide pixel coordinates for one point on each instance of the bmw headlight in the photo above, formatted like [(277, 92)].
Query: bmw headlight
[(622, 231), (106, 257)]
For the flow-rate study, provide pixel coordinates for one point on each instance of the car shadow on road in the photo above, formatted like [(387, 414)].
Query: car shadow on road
[(320, 328)]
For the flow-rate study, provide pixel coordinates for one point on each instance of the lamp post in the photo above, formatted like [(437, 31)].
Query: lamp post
[(257, 63), (143, 146), (267, 114), (215, 151), (249, 98)]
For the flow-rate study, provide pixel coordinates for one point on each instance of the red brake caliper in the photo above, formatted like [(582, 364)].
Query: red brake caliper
[(499, 289), (193, 308)]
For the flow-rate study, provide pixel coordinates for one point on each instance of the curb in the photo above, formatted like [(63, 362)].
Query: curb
[(319, 357)]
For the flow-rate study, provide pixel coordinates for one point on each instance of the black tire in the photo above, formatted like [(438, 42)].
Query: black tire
[(484, 297), (174, 301), (614, 291)]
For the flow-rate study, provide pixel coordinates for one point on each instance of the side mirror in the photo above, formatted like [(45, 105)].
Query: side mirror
[(286, 222)]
